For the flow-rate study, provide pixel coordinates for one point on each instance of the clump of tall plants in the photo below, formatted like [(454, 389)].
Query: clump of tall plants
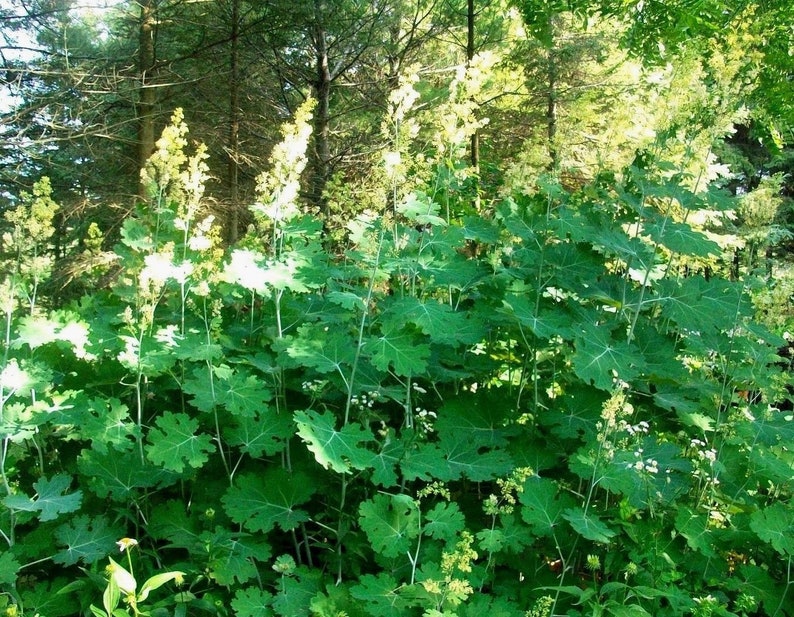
[(535, 411)]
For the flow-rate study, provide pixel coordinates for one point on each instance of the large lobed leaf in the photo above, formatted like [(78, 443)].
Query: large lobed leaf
[(602, 359), (398, 350), (86, 539), (51, 498), (264, 500), (543, 505), (174, 444), (391, 523), (338, 450)]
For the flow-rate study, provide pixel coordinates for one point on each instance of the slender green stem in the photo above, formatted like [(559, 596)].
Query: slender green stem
[(563, 568), (362, 326), (183, 296), (339, 529), (277, 301), (281, 393), (139, 412), (251, 315), (306, 545), (785, 591), (414, 559), (211, 377), (7, 341), (129, 560), (10, 538), (4, 446), (408, 406), (39, 454), (36, 562)]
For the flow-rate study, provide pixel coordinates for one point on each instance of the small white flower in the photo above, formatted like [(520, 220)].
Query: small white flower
[(126, 543)]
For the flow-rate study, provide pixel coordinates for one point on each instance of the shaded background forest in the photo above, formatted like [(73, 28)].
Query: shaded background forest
[(574, 88)]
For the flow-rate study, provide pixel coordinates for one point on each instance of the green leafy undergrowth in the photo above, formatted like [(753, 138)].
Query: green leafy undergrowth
[(538, 411)]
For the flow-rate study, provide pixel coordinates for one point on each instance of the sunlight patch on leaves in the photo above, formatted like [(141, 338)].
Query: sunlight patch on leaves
[(65, 326)]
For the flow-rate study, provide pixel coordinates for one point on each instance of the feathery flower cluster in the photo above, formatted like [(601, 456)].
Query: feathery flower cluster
[(647, 465), (278, 188), (163, 170), (434, 488), (541, 608), (452, 590), (640, 428), (509, 488), (365, 400), (703, 458), (702, 452), (462, 557)]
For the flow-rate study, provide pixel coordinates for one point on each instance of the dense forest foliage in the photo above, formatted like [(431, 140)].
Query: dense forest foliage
[(396, 308)]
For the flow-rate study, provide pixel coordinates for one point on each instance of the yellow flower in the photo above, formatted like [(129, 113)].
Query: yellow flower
[(431, 586)]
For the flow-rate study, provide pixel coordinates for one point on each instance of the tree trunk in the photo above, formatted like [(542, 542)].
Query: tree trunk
[(234, 125), (322, 92), (393, 58), (551, 100), (147, 96), (474, 140), (551, 116), (470, 31)]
